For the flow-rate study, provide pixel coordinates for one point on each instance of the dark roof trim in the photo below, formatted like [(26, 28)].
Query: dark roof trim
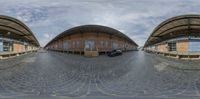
[(91, 28), (22, 25), (171, 20)]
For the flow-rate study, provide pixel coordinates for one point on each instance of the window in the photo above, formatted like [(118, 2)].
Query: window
[(106, 44), (1, 46), (102, 44), (193, 46), (77, 44), (89, 44), (56, 46), (7, 46), (66, 45), (172, 46), (114, 45), (156, 47), (74, 44)]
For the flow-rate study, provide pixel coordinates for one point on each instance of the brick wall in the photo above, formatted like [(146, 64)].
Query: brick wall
[(162, 47), (18, 47), (97, 37), (182, 46)]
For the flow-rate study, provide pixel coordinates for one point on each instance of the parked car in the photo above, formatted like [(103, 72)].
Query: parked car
[(115, 53)]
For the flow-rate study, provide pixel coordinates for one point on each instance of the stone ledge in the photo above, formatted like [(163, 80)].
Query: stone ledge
[(5, 55), (184, 56)]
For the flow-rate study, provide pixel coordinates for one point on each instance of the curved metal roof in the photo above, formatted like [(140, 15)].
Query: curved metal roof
[(183, 25), (91, 28), (17, 29)]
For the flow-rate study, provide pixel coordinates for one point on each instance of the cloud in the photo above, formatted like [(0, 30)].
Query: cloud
[(135, 18)]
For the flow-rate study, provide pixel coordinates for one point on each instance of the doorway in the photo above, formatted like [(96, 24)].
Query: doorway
[(89, 45)]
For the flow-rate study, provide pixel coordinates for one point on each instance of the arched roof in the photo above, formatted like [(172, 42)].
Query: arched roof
[(18, 30), (91, 28), (183, 25)]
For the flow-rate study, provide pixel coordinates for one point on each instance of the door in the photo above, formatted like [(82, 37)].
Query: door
[(89, 45)]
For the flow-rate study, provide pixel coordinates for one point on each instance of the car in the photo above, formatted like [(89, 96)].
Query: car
[(114, 53)]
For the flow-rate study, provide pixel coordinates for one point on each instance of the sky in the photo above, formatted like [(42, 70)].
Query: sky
[(135, 18)]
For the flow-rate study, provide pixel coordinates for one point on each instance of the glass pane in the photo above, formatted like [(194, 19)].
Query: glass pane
[(172, 46), (65, 45), (77, 44), (6, 46), (1, 46), (102, 44), (89, 44), (106, 44), (193, 46), (115, 45), (74, 44)]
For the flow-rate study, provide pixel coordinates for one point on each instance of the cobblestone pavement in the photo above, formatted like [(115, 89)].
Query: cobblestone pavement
[(133, 75)]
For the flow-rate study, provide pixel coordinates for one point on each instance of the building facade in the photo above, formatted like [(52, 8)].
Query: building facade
[(15, 36), (91, 38), (178, 36)]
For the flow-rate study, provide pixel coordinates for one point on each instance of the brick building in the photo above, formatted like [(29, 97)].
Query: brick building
[(178, 36), (15, 36), (91, 38)]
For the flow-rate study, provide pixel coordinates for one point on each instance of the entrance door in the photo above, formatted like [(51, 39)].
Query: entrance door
[(89, 45)]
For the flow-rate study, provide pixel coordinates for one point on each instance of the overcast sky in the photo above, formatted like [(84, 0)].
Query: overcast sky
[(135, 18)]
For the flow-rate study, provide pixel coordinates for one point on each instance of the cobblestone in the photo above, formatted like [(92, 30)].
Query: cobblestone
[(134, 74)]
